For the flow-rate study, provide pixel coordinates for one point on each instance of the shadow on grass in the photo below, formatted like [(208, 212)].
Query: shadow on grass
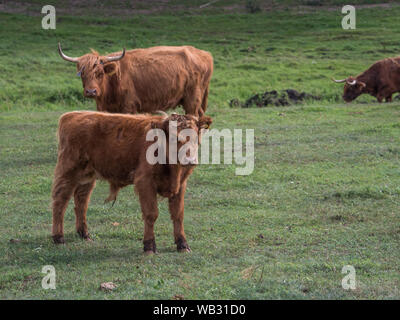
[(41, 250)]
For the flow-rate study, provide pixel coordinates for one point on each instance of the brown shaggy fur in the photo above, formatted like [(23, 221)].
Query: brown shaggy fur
[(96, 145), (146, 80), (381, 80)]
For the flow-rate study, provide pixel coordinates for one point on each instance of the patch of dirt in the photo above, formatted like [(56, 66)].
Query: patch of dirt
[(274, 98)]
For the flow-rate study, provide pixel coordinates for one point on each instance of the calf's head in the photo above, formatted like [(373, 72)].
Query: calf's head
[(94, 70), (352, 88), (183, 133)]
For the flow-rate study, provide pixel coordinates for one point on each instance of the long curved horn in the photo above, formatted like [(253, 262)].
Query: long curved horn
[(339, 81), (65, 57), (109, 59), (352, 83)]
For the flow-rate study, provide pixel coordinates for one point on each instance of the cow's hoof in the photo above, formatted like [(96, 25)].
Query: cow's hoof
[(149, 246), (58, 239), (149, 253), (182, 246), (85, 236), (184, 250)]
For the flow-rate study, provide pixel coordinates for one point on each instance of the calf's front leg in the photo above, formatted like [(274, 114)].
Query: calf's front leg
[(148, 202), (176, 209)]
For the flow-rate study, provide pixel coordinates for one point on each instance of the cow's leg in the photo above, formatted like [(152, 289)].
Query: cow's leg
[(204, 102), (61, 194), (192, 102), (389, 98), (176, 209), (81, 198), (148, 202), (383, 93), (129, 106)]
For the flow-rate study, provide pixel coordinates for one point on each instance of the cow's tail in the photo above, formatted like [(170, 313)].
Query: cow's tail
[(113, 194)]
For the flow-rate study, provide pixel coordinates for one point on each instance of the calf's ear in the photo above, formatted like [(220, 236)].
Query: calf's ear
[(110, 68), (204, 122)]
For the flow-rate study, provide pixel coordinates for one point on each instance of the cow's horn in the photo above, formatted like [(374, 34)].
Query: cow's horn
[(339, 81), (65, 57), (352, 83), (109, 59)]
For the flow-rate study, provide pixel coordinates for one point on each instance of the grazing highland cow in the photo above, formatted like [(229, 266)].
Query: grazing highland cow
[(381, 80), (146, 80), (113, 147)]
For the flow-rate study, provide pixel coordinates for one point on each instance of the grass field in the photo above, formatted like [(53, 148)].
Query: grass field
[(325, 191)]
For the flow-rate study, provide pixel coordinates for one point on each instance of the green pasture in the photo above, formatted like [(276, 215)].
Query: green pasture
[(325, 191)]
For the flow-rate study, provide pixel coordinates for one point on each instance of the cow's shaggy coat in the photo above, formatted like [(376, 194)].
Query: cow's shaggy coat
[(96, 145), (146, 80), (381, 80)]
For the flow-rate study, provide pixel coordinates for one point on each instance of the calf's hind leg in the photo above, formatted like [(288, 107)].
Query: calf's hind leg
[(61, 194), (81, 198)]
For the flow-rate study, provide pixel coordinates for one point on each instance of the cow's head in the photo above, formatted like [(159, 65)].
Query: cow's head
[(94, 70), (186, 130), (352, 88)]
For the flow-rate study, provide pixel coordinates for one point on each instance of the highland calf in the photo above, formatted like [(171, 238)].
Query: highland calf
[(113, 147), (381, 80)]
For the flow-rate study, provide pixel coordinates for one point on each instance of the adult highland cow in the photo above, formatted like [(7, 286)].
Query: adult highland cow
[(146, 80), (381, 80)]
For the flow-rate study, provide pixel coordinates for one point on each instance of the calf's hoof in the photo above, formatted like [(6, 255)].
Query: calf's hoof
[(149, 247), (85, 236), (182, 246), (58, 239)]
